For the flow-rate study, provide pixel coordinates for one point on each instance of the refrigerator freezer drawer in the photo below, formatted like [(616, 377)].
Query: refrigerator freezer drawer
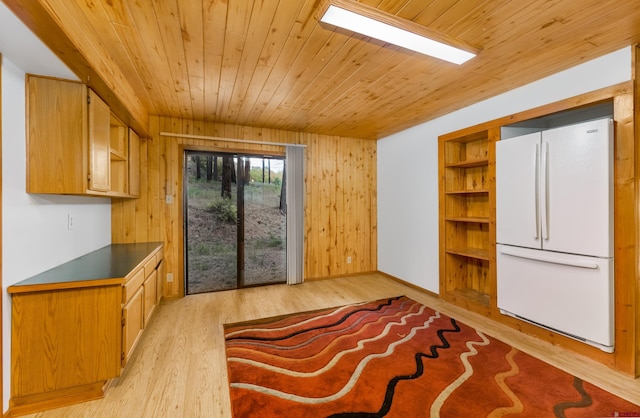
[(567, 293)]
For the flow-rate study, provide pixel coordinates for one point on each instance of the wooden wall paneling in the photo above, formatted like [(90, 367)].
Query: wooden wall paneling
[(356, 183), (117, 218), (123, 220), (340, 198), (369, 201), (333, 237), (319, 198), (359, 172), (141, 203), (329, 224), (349, 200), (625, 252), (344, 199), (311, 213), (372, 178), (176, 210), (636, 95), (162, 182), (165, 150), (1, 252), (155, 187)]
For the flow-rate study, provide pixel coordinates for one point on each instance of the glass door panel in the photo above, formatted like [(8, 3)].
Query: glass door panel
[(235, 230), (265, 225), (211, 243)]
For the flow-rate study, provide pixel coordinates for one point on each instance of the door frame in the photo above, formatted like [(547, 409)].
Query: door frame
[(249, 149)]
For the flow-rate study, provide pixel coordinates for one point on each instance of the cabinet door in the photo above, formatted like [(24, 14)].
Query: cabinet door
[(160, 272), (134, 163), (133, 323), (56, 136), (99, 152), (150, 286)]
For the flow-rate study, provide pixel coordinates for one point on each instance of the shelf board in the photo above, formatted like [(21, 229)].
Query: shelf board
[(477, 220), (476, 191), (470, 295), (469, 163), (472, 137), (469, 252), (117, 155)]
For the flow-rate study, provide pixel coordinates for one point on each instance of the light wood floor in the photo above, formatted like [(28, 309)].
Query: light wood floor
[(179, 368)]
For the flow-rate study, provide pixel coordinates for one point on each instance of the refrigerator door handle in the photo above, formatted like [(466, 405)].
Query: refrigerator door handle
[(545, 192), (536, 191), (547, 258)]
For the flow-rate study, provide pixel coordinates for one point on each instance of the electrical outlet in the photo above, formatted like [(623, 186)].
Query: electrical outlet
[(169, 277), (349, 260), (168, 199), (70, 221)]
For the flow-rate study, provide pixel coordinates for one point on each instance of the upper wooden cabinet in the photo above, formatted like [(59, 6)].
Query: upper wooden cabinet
[(74, 143)]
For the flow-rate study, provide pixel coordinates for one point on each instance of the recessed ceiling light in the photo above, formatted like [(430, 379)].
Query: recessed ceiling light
[(388, 28)]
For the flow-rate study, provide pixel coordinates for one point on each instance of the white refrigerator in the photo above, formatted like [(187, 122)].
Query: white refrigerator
[(554, 229)]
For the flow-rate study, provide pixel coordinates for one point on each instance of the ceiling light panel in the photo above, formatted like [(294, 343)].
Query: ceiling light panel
[(393, 34)]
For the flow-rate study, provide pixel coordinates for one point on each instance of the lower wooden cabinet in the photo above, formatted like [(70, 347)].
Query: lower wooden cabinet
[(73, 330), (140, 298), (53, 361)]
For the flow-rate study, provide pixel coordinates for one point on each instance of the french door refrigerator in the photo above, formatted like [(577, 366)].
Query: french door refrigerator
[(554, 229)]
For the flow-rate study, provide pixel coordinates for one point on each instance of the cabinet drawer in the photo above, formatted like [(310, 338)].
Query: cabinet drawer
[(160, 255), (150, 265), (132, 285)]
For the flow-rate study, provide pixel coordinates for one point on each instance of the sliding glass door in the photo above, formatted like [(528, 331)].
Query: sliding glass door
[(235, 226)]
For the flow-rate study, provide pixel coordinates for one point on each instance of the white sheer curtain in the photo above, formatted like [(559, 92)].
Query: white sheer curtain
[(295, 214)]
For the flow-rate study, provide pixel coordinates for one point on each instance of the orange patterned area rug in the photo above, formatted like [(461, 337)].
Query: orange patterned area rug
[(395, 358)]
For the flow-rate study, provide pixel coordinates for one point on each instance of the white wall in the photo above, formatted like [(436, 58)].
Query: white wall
[(35, 237), (408, 165)]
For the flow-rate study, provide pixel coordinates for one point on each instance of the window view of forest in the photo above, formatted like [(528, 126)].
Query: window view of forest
[(212, 221)]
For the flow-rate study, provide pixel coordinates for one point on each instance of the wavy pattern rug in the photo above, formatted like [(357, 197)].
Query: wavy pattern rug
[(395, 358)]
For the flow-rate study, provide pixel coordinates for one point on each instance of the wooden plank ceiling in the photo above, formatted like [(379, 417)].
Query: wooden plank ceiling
[(269, 63)]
